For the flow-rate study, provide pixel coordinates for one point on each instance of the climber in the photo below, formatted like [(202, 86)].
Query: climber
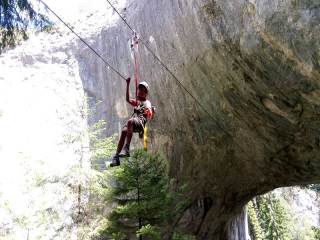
[(142, 110)]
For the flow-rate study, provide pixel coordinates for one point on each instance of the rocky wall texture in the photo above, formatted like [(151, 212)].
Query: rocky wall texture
[(254, 66)]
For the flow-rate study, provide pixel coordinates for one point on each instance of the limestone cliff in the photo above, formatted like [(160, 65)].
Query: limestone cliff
[(254, 66)]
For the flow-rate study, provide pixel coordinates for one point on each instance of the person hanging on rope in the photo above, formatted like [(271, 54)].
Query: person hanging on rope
[(142, 110)]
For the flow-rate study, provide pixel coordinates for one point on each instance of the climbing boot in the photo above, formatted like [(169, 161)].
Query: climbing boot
[(124, 153), (115, 161)]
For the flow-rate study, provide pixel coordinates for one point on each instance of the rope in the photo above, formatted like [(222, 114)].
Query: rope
[(119, 15), (136, 69), (225, 131), (82, 40)]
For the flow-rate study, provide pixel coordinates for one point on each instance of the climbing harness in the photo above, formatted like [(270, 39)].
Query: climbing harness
[(139, 111), (139, 107)]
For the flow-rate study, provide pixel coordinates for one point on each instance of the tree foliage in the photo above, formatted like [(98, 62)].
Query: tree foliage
[(78, 131), (298, 224), (316, 231), (178, 235), (272, 217), (141, 192), (79, 206), (254, 226), (67, 204), (16, 16), (315, 187)]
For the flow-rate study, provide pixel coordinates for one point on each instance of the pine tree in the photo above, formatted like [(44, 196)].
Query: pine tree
[(141, 193), (273, 218), (254, 226), (16, 16)]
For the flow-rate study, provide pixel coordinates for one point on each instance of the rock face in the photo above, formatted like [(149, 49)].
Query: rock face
[(239, 113)]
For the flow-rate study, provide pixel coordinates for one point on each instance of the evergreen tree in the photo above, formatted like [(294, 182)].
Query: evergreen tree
[(254, 226), (16, 16), (273, 218), (141, 192)]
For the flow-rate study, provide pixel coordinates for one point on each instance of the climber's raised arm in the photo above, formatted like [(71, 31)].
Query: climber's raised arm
[(128, 99)]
